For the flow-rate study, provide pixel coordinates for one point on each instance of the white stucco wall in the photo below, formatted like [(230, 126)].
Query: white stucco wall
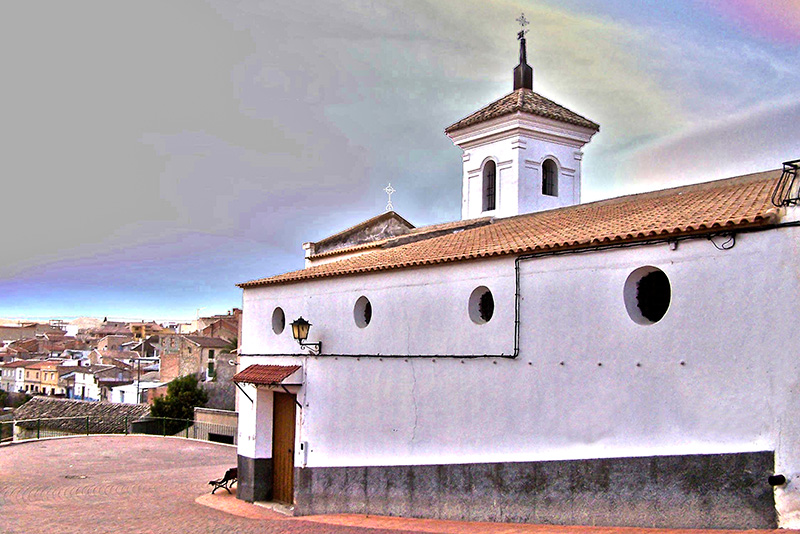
[(718, 374), (127, 394), (19, 379), (255, 419)]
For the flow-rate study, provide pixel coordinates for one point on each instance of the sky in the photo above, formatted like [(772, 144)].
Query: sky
[(155, 154)]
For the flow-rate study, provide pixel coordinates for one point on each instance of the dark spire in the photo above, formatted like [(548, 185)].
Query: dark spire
[(523, 73)]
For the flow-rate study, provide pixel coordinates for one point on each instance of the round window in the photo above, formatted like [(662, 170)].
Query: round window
[(647, 295), (481, 305), (362, 312), (278, 320)]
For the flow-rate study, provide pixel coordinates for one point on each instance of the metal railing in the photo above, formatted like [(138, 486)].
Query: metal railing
[(33, 429), (787, 190)]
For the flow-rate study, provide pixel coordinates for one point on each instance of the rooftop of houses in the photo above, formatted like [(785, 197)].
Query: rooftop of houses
[(20, 363), (117, 354), (738, 202), (207, 342), (47, 364), (104, 417), (91, 369)]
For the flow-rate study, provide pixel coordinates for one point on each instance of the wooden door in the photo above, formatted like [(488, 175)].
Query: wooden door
[(283, 422)]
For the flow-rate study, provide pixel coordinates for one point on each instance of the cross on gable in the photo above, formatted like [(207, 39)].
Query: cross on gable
[(389, 190)]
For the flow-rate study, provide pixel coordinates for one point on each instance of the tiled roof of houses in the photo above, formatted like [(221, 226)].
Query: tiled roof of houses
[(527, 101), (20, 363), (208, 342), (118, 355), (722, 204), (48, 364), (108, 330), (104, 417), (265, 375), (90, 369)]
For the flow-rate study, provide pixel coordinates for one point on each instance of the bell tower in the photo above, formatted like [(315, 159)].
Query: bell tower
[(521, 153)]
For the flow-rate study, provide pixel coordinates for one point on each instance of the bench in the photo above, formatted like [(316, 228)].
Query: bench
[(226, 481)]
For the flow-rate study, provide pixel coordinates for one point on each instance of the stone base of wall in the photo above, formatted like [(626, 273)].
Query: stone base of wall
[(255, 479), (699, 491)]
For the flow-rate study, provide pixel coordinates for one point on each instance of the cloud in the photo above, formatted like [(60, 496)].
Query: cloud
[(164, 132), (776, 20), (753, 141)]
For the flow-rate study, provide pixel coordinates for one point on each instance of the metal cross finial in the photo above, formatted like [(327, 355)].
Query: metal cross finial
[(389, 190), (522, 22)]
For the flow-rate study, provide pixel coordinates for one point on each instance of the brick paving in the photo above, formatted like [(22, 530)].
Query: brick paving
[(109, 484), (131, 484)]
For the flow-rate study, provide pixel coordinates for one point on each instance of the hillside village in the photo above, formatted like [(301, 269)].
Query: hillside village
[(118, 362)]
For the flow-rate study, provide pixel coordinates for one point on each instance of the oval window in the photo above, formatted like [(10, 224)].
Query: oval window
[(362, 312), (481, 305), (278, 320), (647, 295)]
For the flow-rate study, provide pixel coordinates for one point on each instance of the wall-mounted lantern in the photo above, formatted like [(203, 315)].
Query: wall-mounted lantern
[(300, 329), (776, 480)]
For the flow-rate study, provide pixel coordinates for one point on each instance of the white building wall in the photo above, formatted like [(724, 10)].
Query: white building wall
[(718, 374), (87, 384), (127, 394), (405, 307), (255, 416), (19, 379)]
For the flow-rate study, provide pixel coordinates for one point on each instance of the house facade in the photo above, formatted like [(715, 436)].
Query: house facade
[(112, 342), (94, 382), (13, 376), (48, 371), (542, 360), (182, 355), (137, 391)]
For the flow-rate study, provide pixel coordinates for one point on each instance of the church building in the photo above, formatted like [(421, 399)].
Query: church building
[(625, 362)]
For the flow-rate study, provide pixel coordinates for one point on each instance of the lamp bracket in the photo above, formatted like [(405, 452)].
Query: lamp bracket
[(313, 348)]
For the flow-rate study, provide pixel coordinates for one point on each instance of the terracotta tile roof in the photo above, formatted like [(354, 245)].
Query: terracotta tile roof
[(527, 101), (49, 364), (265, 375), (90, 369), (20, 363), (416, 234), (730, 203)]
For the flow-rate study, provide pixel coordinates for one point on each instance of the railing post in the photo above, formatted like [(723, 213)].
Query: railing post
[(163, 426), (187, 432), (87, 425), (38, 427), (126, 425)]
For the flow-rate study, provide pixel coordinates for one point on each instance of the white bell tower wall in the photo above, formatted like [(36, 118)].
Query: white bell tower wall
[(520, 145)]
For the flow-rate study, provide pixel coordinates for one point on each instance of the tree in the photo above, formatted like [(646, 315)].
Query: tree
[(183, 394), (232, 345)]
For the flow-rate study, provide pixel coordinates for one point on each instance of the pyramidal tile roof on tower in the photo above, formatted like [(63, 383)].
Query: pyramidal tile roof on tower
[(527, 101), (723, 204)]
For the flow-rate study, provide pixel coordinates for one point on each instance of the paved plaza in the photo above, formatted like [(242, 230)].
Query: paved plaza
[(100, 484)]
